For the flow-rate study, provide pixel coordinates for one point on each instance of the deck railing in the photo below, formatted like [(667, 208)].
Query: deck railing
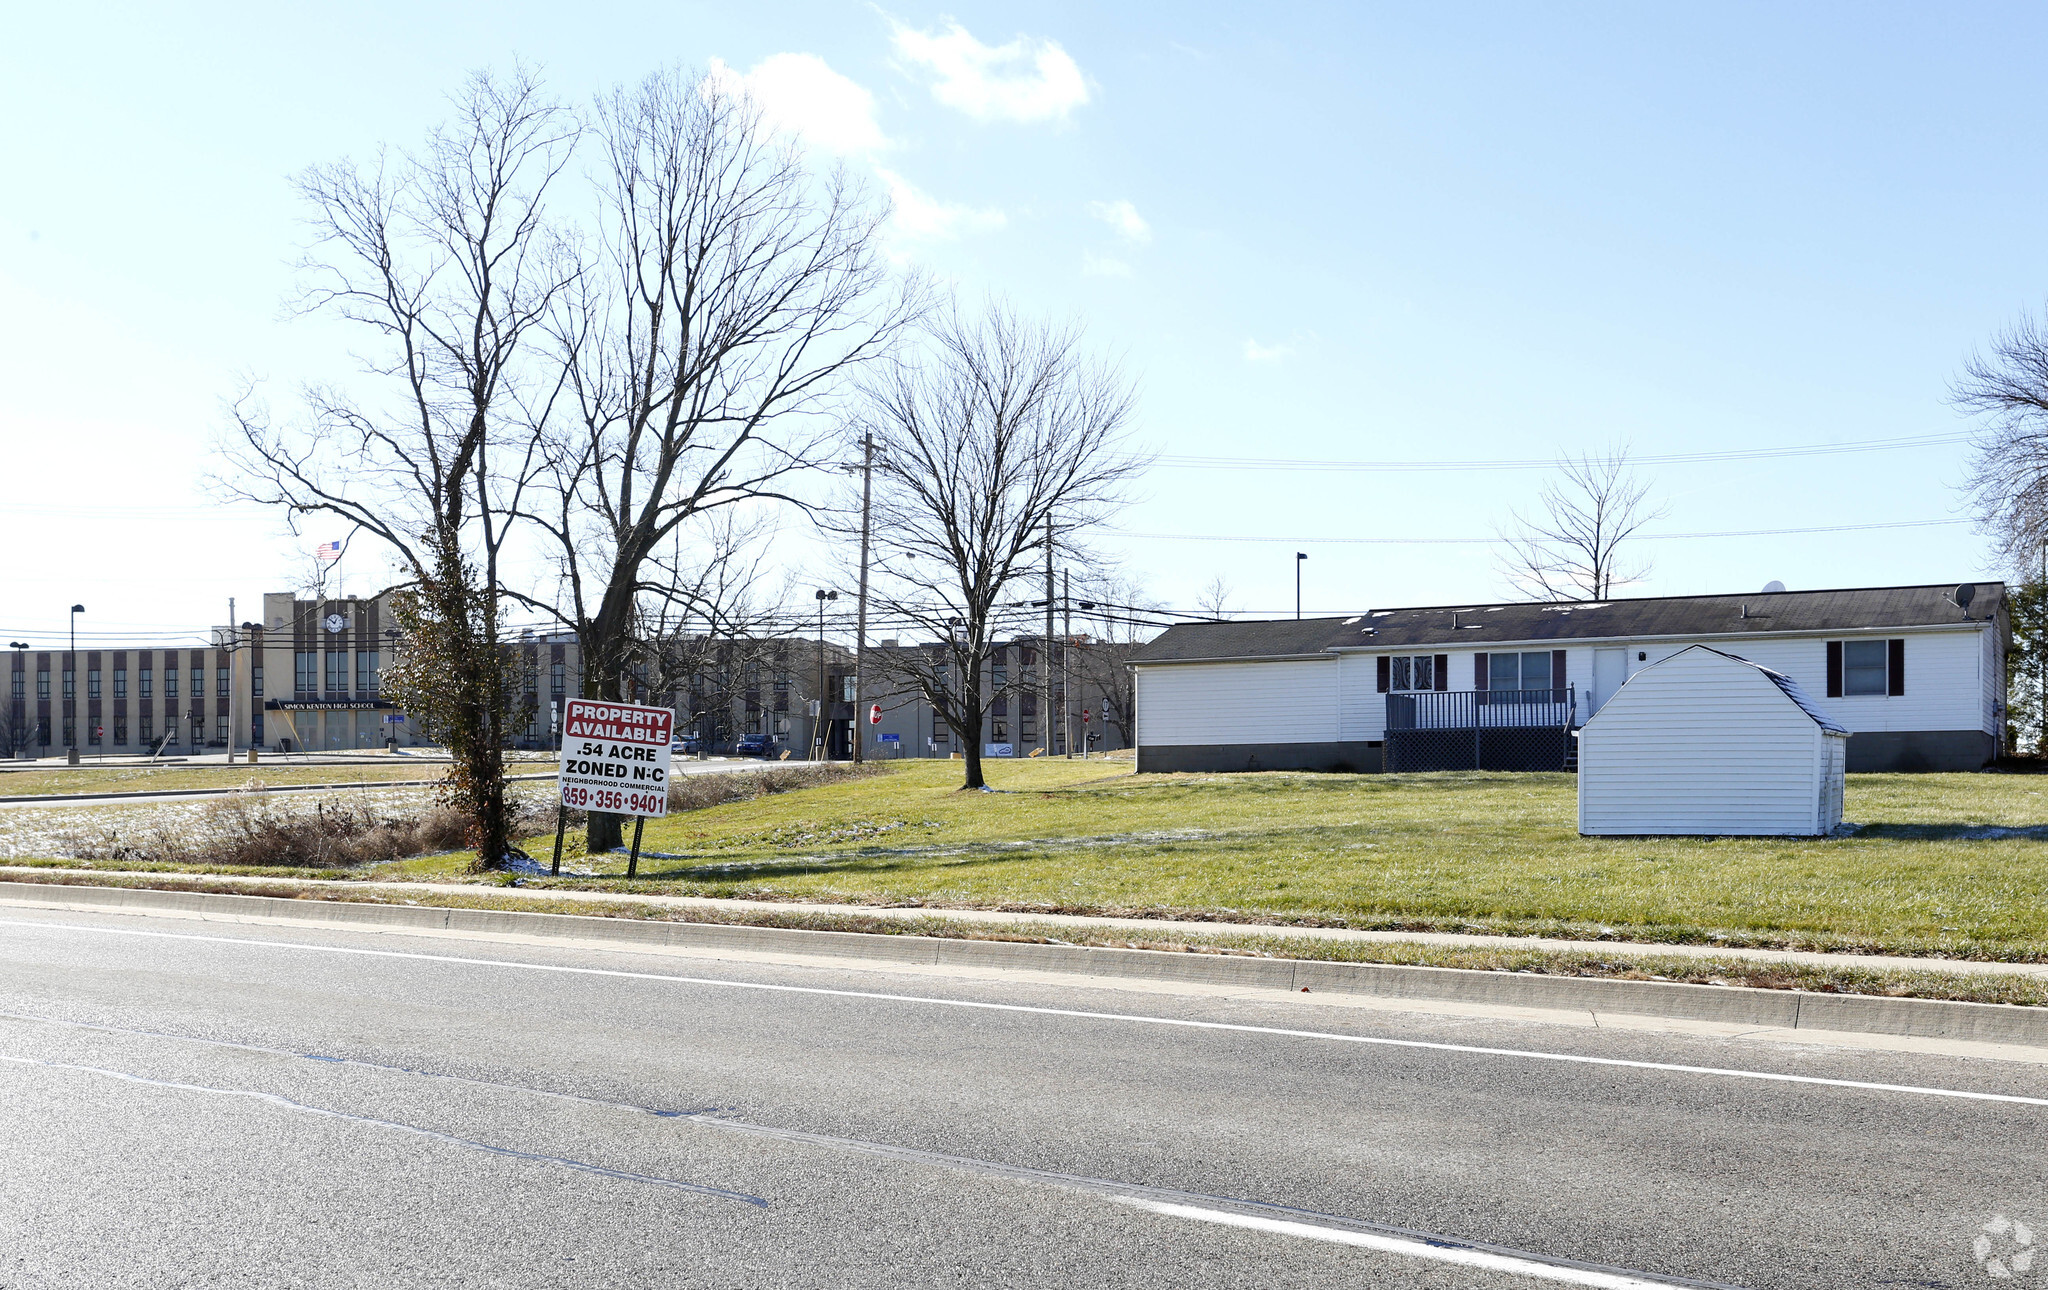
[(1480, 729)]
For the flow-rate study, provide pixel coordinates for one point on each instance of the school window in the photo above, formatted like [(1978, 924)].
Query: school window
[(70, 733), (1002, 731), (21, 685), (198, 681), (92, 683), (256, 681), (849, 692), (170, 683), (220, 730), (70, 683), (145, 683), (221, 682), (366, 671), (43, 683), (148, 727), (120, 730), (120, 688), (556, 672), (305, 672)]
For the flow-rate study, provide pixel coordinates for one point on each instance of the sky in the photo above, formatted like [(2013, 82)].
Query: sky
[(1446, 233)]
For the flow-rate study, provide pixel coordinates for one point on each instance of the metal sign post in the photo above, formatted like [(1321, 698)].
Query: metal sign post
[(615, 757)]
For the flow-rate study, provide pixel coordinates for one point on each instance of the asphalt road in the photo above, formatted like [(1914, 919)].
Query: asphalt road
[(187, 1103)]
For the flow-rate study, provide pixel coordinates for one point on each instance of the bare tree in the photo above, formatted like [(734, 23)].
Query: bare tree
[(2007, 486), (730, 292), (445, 258), (1571, 551), (1120, 622), (999, 437), (1214, 600)]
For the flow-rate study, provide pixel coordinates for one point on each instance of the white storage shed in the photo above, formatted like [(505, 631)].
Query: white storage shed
[(1708, 743)]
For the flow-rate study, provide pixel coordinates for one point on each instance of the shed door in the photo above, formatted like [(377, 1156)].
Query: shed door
[(1610, 670)]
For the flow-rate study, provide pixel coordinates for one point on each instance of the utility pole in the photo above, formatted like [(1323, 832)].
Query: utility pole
[(71, 671), (860, 631), (818, 726), (1067, 664), (234, 653), (1045, 659)]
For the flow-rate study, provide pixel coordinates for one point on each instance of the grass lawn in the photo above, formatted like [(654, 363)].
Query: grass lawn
[(143, 779), (1941, 863)]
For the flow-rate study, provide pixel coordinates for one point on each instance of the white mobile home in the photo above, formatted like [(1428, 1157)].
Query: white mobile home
[(1915, 674), (1706, 743)]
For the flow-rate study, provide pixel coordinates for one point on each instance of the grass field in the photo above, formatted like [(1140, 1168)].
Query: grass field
[(1940, 864), (144, 779)]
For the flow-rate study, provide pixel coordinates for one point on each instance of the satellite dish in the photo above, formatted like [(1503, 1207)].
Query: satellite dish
[(1964, 595), (1773, 587)]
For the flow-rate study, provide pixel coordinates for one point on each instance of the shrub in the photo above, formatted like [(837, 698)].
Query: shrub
[(258, 830)]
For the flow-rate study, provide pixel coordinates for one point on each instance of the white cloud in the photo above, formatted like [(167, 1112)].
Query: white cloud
[(918, 216), (801, 94), (1025, 80), (1124, 218), (1257, 353), (1103, 266)]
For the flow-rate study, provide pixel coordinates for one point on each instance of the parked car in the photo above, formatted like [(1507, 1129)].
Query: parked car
[(751, 746), (684, 745)]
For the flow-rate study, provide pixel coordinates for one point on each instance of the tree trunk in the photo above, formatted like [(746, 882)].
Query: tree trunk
[(602, 651)]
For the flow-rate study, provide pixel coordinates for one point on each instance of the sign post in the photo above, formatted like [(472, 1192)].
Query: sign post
[(615, 757)]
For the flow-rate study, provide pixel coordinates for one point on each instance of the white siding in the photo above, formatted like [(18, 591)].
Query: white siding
[(1238, 703), (1361, 708), (1701, 744), (1944, 686)]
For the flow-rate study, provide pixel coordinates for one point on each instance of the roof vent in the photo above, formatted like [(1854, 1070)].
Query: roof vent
[(1773, 587)]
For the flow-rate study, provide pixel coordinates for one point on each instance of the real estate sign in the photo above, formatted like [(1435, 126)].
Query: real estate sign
[(615, 757)]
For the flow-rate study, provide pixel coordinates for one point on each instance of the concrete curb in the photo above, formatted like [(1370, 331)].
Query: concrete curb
[(1992, 1023)]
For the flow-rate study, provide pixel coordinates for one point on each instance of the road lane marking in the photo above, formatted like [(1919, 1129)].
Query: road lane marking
[(1379, 1041), (1435, 1251), (273, 1099), (1261, 1215)]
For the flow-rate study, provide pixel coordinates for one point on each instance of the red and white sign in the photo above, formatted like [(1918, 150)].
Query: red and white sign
[(875, 715), (1086, 716), (615, 757)]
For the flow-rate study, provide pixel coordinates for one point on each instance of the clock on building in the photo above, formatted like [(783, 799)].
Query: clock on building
[(337, 622)]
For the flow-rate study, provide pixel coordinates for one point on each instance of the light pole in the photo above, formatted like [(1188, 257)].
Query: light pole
[(860, 630), (71, 670), (818, 722), (1299, 556)]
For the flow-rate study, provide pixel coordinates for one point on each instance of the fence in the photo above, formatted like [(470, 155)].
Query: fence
[(1480, 730)]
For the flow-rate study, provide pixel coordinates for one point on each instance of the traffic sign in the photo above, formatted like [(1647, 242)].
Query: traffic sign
[(875, 715), (615, 757), (891, 738), (1086, 716)]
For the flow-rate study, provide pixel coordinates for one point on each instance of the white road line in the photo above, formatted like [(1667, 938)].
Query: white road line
[(1414, 1249), (285, 1103), (1527, 1054)]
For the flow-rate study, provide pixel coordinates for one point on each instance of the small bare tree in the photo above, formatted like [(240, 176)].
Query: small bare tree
[(1120, 621), (1572, 549), (447, 260), (731, 291), (2007, 486), (1000, 437), (1214, 600)]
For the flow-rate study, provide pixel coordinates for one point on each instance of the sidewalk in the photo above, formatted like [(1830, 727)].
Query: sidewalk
[(1145, 929)]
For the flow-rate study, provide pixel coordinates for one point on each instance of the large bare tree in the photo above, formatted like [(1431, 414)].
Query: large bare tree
[(995, 438), (2007, 485), (1571, 548), (729, 292), (445, 260)]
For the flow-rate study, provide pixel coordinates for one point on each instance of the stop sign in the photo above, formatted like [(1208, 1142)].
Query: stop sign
[(875, 715), (1086, 715)]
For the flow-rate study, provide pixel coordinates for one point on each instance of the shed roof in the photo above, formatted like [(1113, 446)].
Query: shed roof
[(1469, 626), (1786, 685)]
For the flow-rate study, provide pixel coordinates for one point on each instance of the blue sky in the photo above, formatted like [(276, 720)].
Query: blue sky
[(1442, 232)]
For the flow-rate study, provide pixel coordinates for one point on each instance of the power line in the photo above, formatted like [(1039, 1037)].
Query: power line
[(1487, 541), (1550, 463)]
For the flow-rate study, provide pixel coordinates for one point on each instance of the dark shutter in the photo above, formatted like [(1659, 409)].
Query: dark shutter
[(1443, 671), (1834, 669), (1895, 669), (1479, 671), (1386, 674), (1557, 681)]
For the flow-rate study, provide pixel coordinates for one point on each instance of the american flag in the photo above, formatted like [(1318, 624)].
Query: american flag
[(327, 551)]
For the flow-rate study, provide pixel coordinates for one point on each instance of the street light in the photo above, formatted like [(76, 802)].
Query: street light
[(818, 722), (16, 725), (71, 666), (1299, 556)]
